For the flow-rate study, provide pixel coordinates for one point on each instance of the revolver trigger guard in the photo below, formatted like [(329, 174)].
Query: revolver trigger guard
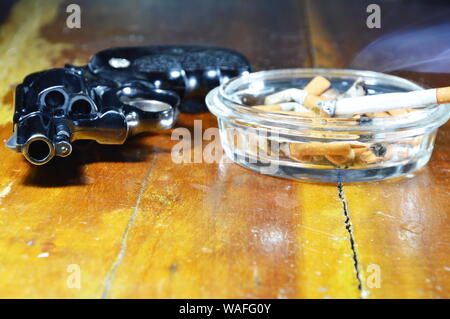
[(148, 110)]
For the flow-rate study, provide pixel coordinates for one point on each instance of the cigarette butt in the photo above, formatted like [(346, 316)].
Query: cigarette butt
[(443, 95), (341, 160), (268, 107), (357, 89), (411, 141), (368, 158), (330, 94), (378, 114), (279, 97), (397, 151), (398, 112), (288, 95), (318, 158), (306, 158), (299, 114), (286, 106), (358, 146), (336, 160), (417, 141), (359, 151), (312, 102), (303, 158), (278, 108), (297, 107), (284, 149), (317, 86), (315, 148)]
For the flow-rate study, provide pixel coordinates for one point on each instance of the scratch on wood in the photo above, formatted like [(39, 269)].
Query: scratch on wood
[(123, 247), (385, 215), (5, 191), (329, 235)]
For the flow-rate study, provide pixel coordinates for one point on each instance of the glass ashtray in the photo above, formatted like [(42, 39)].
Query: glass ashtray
[(323, 149)]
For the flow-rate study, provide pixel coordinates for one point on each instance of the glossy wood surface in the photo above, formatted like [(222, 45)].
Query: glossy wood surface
[(139, 225)]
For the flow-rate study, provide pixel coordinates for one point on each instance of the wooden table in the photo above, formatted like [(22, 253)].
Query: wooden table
[(136, 225)]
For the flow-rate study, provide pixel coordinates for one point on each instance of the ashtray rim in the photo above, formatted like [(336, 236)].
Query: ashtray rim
[(222, 104)]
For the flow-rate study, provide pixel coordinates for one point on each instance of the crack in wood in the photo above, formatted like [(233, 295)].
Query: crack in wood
[(349, 228), (318, 55)]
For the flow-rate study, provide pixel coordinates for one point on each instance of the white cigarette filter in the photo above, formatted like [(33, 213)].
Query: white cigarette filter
[(284, 107), (385, 102), (316, 86), (288, 95)]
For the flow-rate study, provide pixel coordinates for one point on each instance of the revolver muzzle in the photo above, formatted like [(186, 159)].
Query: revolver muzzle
[(38, 138), (38, 149)]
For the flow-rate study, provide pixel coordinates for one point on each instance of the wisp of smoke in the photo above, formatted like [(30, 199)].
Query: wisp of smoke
[(419, 49)]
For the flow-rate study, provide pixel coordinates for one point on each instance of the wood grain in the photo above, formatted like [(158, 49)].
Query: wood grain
[(139, 225), (222, 231)]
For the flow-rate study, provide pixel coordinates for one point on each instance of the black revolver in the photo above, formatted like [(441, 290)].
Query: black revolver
[(121, 92)]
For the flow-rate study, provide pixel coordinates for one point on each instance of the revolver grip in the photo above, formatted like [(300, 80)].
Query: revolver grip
[(190, 71)]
